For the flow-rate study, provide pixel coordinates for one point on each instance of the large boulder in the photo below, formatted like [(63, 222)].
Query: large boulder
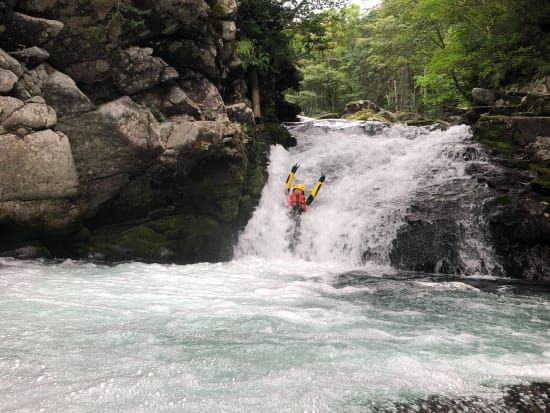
[(28, 31), (483, 97), (359, 105), (206, 95), (170, 16), (33, 115), (193, 54), (136, 69), (9, 63), (8, 105), (169, 99), (7, 80), (541, 149), (240, 113), (49, 218), (227, 9), (118, 140), (536, 103), (58, 89), (510, 131), (38, 166), (31, 56)]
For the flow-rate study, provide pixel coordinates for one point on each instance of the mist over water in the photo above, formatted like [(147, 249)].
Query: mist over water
[(321, 328)]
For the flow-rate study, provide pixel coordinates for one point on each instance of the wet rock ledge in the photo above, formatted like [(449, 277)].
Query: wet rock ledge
[(125, 131)]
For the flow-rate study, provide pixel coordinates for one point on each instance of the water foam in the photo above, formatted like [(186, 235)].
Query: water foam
[(373, 175)]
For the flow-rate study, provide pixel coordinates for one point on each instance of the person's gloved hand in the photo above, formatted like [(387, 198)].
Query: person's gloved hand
[(295, 168), (322, 178)]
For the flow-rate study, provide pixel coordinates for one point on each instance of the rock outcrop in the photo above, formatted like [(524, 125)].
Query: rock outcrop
[(515, 126), (121, 130)]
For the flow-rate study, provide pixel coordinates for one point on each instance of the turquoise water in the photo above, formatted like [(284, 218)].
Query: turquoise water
[(259, 335)]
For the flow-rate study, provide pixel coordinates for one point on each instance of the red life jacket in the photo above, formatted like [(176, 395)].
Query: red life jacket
[(297, 201)]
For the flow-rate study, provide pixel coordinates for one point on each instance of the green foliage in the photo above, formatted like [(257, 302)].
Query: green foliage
[(419, 55), (158, 114), (250, 57), (123, 19)]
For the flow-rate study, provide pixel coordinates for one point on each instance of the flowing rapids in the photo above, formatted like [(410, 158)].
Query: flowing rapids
[(374, 175), (316, 323)]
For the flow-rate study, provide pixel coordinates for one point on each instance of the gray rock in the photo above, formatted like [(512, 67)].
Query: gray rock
[(204, 134), (536, 103), (38, 166), (34, 116), (90, 71), (9, 63), (8, 105), (541, 148), (518, 130), (48, 217), (7, 80), (181, 134), (359, 105), (31, 56), (119, 139), (207, 96), (170, 99), (197, 56), (483, 97), (180, 14), (61, 92), (28, 31), (229, 30), (228, 8), (240, 113), (136, 70)]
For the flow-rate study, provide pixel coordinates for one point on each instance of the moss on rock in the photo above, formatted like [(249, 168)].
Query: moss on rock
[(369, 115), (542, 182), (495, 132)]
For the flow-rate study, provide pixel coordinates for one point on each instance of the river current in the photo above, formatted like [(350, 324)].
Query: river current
[(314, 327)]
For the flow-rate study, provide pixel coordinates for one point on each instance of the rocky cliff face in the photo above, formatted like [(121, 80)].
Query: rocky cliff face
[(515, 125), (509, 198), (122, 134)]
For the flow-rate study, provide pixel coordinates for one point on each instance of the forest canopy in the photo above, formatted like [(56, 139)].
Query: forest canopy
[(406, 55)]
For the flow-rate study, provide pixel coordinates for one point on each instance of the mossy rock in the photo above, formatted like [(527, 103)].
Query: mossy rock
[(135, 243), (52, 218), (330, 115), (494, 132), (419, 122), (180, 238), (369, 115), (277, 134), (406, 117), (218, 193), (542, 182)]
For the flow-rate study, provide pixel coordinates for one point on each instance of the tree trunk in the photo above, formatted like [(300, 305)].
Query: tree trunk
[(254, 84)]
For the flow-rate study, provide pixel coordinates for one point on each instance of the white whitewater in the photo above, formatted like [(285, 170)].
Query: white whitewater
[(321, 329), (373, 174)]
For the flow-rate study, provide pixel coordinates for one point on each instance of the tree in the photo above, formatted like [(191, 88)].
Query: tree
[(264, 42)]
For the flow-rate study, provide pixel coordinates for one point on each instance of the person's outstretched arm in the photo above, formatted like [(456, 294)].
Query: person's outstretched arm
[(291, 177), (315, 189)]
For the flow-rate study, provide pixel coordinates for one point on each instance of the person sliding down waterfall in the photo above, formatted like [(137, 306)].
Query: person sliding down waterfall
[(297, 201)]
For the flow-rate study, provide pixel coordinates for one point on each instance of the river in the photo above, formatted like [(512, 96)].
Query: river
[(310, 323)]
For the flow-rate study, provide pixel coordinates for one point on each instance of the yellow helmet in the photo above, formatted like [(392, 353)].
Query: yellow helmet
[(300, 187)]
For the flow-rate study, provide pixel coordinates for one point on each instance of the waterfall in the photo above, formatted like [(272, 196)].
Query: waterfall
[(379, 179)]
